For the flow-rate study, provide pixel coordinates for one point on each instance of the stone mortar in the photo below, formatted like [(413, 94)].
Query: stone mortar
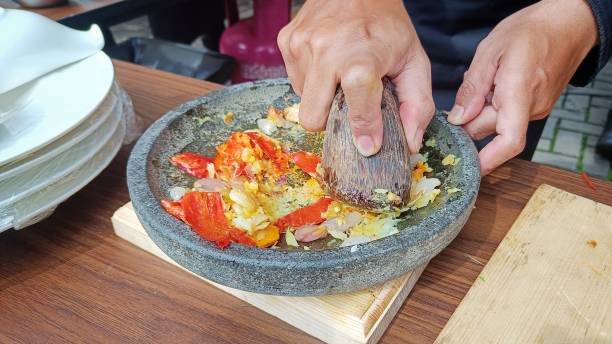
[(423, 233)]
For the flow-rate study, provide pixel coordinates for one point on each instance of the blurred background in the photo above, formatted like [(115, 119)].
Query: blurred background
[(230, 41)]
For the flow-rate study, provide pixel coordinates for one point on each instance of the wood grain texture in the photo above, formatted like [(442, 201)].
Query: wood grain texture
[(352, 177), (358, 317), (549, 281), (73, 7), (71, 279)]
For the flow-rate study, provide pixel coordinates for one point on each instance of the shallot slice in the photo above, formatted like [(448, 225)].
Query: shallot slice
[(210, 185), (355, 240), (342, 224), (308, 233), (237, 183), (266, 126), (177, 192)]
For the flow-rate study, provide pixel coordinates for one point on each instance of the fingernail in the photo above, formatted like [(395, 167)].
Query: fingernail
[(365, 145), (456, 113)]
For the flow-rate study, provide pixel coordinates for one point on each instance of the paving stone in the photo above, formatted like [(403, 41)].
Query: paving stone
[(582, 127), (559, 103), (568, 143), (604, 102), (543, 145), (556, 160), (576, 102), (603, 85), (549, 128), (568, 114), (592, 140), (594, 164), (606, 70), (598, 115)]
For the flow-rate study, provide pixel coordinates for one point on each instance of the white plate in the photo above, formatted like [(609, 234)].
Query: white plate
[(41, 204), (109, 106), (33, 180), (56, 103)]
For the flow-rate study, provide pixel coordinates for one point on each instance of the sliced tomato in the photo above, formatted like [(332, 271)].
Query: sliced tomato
[(241, 237), (192, 163), (231, 155), (174, 208), (306, 161), (308, 215), (272, 149), (204, 213)]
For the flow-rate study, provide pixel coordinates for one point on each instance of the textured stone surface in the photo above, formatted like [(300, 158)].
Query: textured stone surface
[(568, 143), (576, 102), (575, 120), (568, 114), (582, 127), (544, 145), (594, 164), (549, 128), (601, 102), (598, 115), (287, 272), (592, 140), (566, 162)]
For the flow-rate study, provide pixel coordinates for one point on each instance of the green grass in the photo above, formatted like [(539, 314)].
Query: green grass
[(554, 135), (580, 164)]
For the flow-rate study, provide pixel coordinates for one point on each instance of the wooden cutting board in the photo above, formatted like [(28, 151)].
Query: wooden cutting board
[(352, 318), (549, 281)]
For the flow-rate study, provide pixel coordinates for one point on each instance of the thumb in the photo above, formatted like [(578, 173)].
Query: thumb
[(362, 87), (477, 83)]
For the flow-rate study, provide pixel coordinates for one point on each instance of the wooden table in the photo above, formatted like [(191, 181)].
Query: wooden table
[(69, 278), (73, 7)]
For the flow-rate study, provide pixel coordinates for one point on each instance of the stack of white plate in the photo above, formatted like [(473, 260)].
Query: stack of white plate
[(56, 134)]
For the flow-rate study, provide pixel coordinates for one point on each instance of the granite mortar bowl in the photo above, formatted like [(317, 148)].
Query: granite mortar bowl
[(198, 126)]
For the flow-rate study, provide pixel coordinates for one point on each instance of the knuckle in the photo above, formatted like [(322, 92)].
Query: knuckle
[(516, 144), (282, 40), (297, 41), (539, 79), (429, 108), (363, 31), (358, 75), (319, 42), (424, 106), (311, 123), (475, 135), (362, 120), (467, 88)]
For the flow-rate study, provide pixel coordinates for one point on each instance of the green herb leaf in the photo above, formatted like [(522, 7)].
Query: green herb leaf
[(431, 142)]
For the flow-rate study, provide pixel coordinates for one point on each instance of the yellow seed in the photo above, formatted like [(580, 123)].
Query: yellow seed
[(229, 117)]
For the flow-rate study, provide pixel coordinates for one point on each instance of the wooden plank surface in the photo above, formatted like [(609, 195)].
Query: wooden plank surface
[(73, 7), (352, 318), (70, 276), (549, 281)]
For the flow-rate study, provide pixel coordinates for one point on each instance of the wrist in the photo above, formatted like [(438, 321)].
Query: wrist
[(577, 16)]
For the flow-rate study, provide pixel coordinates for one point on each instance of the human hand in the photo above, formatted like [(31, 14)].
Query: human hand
[(356, 43), (518, 72)]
